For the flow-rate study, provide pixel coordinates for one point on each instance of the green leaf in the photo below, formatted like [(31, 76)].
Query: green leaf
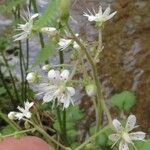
[(74, 114), (7, 130), (57, 126), (102, 140), (44, 54), (10, 4), (124, 100), (72, 134), (143, 145), (2, 90), (49, 14)]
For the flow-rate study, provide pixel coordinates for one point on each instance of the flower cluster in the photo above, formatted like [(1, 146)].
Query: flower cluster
[(24, 112), (123, 133), (56, 88)]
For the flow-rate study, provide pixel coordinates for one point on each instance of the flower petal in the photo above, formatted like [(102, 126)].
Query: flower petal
[(110, 16), (100, 11), (107, 11), (114, 137), (64, 74), (137, 135), (71, 91), (131, 121), (66, 102), (123, 145), (34, 16), (19, 116), (48, 97), (28, 105), (117, 125)]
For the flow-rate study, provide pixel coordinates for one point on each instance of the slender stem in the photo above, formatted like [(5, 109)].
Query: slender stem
[(27, 66), (19, 132), (6, 87), (22, 70), (40, 34), (100, 100), (59, 118), (47, 137), (61, 58), (99, 39), (11, 76), (92, 138)]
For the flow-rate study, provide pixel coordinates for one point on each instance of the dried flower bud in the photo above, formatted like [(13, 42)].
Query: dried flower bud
[(91, 90)]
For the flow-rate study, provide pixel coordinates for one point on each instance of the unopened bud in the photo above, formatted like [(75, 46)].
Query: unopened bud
[(11, 115), (32, 77), (46, 68), (51, 31), (91, 90), (64, 10)]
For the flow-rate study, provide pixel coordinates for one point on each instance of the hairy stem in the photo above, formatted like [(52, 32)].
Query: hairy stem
[(6, 87), (47, 137), (100, 100), (11, 76), (92, 138)]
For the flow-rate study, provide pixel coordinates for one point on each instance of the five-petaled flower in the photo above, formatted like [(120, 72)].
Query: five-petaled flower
[(25, 29), (99, 17), (24, 112), (124, 135), (56, 89)]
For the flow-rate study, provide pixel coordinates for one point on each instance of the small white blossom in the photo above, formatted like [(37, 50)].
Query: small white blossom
[(56, 89), (24, 112), (51, 31), (25, 29), (32, 77), (100, 17), (124, 135), (64, 43)]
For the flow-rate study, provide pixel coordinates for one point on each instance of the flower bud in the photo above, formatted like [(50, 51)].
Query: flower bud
[(46, 67), (11, 115), (51, 31), (32, 77), (64, 10), (75, 45), (91, 90)]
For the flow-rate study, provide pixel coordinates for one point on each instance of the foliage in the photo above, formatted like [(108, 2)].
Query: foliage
[(124, 100)]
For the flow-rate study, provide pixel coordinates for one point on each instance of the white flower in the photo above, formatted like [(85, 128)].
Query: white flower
[(24, 112), (100, 16), (11, 115), (32, 77), (25, 29), (51, 31), (123, 133), (64, 43), (56, 89)]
